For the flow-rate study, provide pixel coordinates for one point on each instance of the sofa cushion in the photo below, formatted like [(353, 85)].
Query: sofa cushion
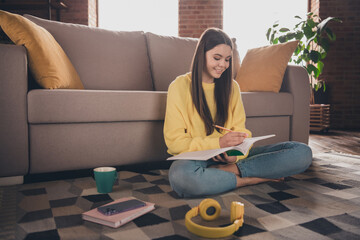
[(47, 60), (169, 58), (84, 106), (263, 68), (105, 60), (260, 104)]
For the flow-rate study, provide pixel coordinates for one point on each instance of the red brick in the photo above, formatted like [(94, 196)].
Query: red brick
[(341, 65), (210, 12)]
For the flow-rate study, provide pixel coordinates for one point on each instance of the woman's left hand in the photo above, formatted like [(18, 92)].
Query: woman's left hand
[(223, 157)]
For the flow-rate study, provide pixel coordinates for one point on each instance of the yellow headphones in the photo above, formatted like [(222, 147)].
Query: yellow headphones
[(209, 209)]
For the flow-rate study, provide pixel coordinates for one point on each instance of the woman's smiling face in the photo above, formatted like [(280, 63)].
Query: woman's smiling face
[(217, 61)]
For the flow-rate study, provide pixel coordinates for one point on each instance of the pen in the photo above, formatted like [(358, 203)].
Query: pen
[(226, 129)]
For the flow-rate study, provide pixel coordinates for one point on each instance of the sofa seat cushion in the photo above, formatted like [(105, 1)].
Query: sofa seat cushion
[(260, 104), (85, 106)]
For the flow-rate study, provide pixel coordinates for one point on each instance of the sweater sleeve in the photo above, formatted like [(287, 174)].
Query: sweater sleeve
[(176, 136)]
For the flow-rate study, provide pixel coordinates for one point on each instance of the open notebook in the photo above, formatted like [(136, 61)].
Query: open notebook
[(243, 148)]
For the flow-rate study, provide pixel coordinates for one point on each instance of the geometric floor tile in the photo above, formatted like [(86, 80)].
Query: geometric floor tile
[(50, 234), (68, 221), (273, 208), (280, 196), (149, 220), (177, 213), (322, 226), (246, 230), (321, 203)]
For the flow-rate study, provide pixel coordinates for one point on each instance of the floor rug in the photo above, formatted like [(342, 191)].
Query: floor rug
[(321, 203)]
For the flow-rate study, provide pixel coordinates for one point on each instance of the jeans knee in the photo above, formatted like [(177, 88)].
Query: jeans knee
[(184, 180), (305, 155)]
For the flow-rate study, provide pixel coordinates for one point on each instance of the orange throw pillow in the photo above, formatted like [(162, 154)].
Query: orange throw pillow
[(47, 60), (263, 69)]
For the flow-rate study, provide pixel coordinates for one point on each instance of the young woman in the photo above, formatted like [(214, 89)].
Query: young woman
[(206, 97)]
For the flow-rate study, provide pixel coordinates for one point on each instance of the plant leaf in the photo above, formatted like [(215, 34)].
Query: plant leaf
[(330, 34), (284, 30), (298, 17), (311, 68), (299, 35), (316, 87), (314, 56), (297, 25), (320, 66), (311, 23), (323, 55), (308, 31), (325, 44), (321, 26), (282, 39), (313, 38), (272, 38), (268, 34), (290, 36)]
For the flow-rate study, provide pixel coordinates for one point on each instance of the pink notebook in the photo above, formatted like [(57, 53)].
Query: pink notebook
[(119, 219)]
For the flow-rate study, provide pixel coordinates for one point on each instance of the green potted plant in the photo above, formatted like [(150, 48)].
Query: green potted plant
[(314, 37)]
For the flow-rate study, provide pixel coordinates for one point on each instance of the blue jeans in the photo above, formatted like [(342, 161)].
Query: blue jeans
[(191, 178)]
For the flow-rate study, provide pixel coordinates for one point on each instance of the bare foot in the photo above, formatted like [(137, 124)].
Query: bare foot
[(241, 182), (244, 181), (228, 168)]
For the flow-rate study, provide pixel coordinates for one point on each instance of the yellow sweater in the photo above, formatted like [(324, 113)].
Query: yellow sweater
[(184, 130)]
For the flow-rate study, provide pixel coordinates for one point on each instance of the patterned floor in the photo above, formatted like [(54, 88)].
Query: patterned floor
[(322, 203)]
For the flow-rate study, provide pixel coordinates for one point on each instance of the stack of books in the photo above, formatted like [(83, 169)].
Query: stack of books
[(118, 219)]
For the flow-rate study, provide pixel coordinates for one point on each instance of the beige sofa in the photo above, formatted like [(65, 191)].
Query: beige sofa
[(118, 119)]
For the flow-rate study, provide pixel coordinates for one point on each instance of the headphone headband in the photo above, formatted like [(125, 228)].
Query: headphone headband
[(237, 213)]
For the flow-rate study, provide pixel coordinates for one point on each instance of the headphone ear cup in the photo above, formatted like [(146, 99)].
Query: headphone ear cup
[(237, 211), (209, 209)]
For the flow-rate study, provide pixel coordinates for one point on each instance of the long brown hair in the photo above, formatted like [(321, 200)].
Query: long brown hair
[(208, 40)]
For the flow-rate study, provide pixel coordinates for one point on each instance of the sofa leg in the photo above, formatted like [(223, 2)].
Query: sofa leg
[(6, 181)]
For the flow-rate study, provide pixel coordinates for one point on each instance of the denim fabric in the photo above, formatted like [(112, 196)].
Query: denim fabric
[(191, 178)]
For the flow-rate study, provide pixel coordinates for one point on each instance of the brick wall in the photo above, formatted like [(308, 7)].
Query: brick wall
[(342, 71), (80, 12), (197, 15)]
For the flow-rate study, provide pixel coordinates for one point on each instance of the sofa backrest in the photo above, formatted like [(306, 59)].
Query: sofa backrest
[(172, 56), (169, 58), (104, 60)]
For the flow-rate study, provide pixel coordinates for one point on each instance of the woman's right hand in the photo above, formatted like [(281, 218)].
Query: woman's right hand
[(232, 139)]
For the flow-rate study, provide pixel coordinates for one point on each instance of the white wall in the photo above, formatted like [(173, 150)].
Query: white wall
[(157, 16), (249, 20)]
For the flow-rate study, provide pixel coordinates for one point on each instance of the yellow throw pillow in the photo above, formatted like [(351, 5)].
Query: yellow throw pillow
[(47, 60), (262, 69)]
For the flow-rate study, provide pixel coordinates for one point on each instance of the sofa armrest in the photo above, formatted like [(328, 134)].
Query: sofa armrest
[(296, 81), (14, 155)]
